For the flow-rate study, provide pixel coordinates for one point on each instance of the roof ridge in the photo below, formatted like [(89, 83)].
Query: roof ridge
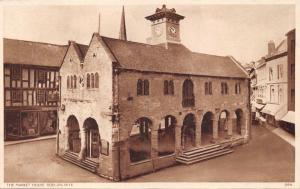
[(27, 41)]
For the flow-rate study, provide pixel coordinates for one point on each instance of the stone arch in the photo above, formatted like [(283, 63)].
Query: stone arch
[(223, 124), (73, 134), (92, 138), (140, 140), (166, 135), (240, 120), (188, 131), (207, 128)]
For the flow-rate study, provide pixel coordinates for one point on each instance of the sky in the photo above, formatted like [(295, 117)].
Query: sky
[(241, 31)]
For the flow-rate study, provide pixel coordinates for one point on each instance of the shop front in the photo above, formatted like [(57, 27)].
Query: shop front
[(24, 124)]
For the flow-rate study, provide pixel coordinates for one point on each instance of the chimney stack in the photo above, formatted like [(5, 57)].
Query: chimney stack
[(271, 47)]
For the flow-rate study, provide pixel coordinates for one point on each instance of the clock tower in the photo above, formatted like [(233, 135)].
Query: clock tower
[(165, 26)]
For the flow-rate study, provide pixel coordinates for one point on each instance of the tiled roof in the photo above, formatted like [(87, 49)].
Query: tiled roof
[(80, 50), (33, 53), (175, 59)]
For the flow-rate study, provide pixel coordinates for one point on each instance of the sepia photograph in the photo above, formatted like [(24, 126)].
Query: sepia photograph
[(175, 94)]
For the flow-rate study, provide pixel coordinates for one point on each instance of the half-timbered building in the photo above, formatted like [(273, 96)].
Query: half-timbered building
[(31, 90)]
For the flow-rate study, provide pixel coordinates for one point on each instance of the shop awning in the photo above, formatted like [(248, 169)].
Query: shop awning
[(259, 106), (271, 109), (289, 117)]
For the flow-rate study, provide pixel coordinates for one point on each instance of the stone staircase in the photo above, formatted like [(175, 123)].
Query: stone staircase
[(203, 153), (86, 164)]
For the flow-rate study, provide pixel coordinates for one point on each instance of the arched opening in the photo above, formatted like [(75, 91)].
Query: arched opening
[(96, 80), (74, 134), (223, 124), (166, 136), (92, 81), (237, 127), (140, 140), (188, 132), (188, 98), (92, 138), (207, 128)]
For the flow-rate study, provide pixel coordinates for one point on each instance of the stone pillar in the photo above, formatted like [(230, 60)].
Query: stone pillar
[(229, 123), (66, 138), (82, 153), (154, 144), (215, 130), (178, 147), (198, 132)]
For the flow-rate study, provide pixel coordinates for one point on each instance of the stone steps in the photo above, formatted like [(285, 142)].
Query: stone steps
[(86, 164), (203, 153)]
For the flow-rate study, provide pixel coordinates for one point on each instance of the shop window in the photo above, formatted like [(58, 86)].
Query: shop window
[(47, 122), (41, 96), (96, 80), (12, 123), (16, 72), (29, 123), (52, 96), (16, 96)]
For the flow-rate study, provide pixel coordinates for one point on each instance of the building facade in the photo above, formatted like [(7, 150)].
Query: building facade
[(31, 93), (131, 108), (275, 87)]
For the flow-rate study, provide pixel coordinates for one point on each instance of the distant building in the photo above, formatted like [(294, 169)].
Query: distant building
[(275, 87), (31, 90), (131, 108)]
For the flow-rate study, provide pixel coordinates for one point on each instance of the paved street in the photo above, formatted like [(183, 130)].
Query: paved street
[(266, 158)]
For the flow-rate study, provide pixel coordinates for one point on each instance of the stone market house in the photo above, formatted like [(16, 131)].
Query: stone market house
[(131, 108), (31, 90)]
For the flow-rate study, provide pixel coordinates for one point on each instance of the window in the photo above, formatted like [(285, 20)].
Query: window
[(270, 74), (272, 93), (16, 96), (92, 81), (68, 82), (140, 87), (72, 81), (75, 81), (188, 94), (280, 96), (96, 80), (42, 76), (146, 87), (16, 72), (88, 81), (168, 87), (208, 88), (224, 88), (237, 88), (41, 96), (171, 87), (293, 97)]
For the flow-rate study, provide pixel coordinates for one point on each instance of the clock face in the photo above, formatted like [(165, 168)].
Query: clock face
[(158, 31)]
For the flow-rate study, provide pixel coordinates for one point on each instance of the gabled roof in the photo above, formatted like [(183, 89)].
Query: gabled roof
[(80, 49), (175, 59), (33, 53)]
